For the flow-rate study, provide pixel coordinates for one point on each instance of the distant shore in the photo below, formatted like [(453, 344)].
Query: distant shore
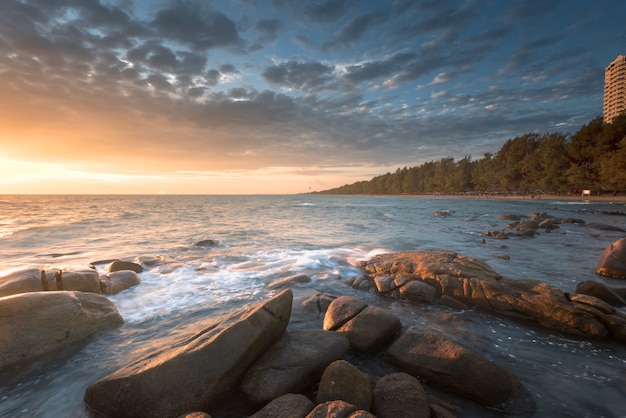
[(574, 198)]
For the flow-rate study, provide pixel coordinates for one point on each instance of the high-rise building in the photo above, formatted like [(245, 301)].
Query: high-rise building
[(615, 89)]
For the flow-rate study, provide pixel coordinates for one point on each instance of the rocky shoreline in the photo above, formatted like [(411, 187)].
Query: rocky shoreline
[(253, 356)]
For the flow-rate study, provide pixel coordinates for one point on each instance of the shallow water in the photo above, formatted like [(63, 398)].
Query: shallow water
[(265, 238)]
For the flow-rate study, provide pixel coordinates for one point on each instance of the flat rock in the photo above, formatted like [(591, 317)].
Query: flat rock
[(197, 372), (612, 261), (291, 365), (36, 323), (451, 366)]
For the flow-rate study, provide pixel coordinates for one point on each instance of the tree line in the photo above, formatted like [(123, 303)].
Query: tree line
[(594, 158)]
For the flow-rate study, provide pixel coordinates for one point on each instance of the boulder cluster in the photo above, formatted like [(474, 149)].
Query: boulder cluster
[(276, 370), (306, 372), (458, 281)]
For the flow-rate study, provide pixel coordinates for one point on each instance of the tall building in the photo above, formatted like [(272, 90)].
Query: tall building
[(615, 89)]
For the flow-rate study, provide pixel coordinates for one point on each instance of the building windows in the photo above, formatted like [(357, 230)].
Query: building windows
[(614, 89)]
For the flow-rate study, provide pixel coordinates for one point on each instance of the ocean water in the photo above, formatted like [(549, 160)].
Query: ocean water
[(262, 239)]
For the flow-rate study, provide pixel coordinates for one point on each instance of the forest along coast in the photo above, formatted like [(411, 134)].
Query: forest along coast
[(592, 160)]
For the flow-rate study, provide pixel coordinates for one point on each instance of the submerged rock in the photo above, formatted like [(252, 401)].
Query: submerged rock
[(196, 372), (612, 261), (36, 323)]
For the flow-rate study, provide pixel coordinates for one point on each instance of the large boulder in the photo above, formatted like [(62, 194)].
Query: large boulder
[(400, 395), (196, 372), (35, 280), (292, 364), (35, 323), (474, 283), (451, 366), (343, 381), (119, 265), (612, 261)]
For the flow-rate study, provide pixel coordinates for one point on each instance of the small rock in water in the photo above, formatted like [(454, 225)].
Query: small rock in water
[(206, 243)]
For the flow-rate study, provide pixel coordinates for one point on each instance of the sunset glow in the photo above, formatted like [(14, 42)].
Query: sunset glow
[(281, 97)]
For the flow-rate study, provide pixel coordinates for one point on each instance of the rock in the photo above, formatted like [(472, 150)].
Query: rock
[(593, 301), (572, 221), (35, 280), (509, 217), (605, 227), (343, 381), (443, 213), (417, 291), (289, 405), (333, 409), (451, 366), (602, 292), (113, 283), (612, 261), (341, 310), (290, 365), (318, 303), (207, 243), (196, 372), (119, 265), (37, 323), (370, 329), (400, 395), (473, 282), (290, 281), (195, 415)]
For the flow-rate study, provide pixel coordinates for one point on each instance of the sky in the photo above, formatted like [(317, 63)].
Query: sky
[(284, 96)]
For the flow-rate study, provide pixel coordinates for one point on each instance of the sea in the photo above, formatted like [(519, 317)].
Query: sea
[(262, 239)]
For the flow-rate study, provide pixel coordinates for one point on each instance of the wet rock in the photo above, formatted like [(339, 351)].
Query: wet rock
[(451, 366), (400, 395), (36, 323), (474, 283), (35, 280), (509, 217), (612, 261), (195, 415), (290, 365), (318, 302), (207, 243), (290, 281), (196, 372), (289, 405), (572, 221), (113, 283), (602, 292), (366, 327), (443, 213), (594, 302), (119, 265), (343, 381), (605, 227)]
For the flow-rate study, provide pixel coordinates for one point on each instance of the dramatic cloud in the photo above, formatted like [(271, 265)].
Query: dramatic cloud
[(257, 84)]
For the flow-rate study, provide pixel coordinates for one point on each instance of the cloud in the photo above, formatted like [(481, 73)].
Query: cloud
[(305, 76), (329, 10), (198, 27), (268, 29)]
